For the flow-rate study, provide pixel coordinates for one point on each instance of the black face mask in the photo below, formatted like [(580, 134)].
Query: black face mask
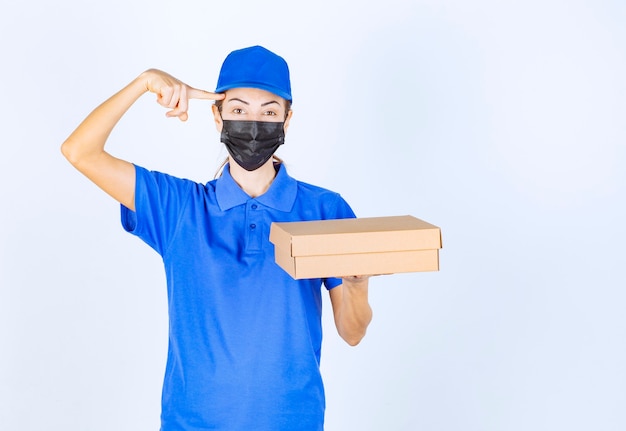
[(252, 143)]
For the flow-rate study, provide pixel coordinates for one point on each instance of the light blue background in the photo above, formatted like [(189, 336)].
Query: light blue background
[(503, 122)]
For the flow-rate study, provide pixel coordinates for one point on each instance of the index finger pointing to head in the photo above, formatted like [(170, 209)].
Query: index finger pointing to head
[(195, 93)]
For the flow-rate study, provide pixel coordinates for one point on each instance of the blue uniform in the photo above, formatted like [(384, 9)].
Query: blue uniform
[(244, 337)]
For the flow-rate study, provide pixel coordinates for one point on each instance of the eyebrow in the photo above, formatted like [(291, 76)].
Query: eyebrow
[(236, 99)]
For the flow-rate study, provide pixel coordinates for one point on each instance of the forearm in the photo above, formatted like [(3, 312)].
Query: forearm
[(89, 138), (84, 148), (353, 313)]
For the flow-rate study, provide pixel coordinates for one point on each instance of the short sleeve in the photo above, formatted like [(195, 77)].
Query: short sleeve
[(160, 199)]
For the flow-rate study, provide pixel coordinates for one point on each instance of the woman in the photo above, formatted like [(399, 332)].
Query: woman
[(245, 338)]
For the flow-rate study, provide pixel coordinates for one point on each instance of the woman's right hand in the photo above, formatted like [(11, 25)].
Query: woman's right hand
[(84, 148), (174, 94)]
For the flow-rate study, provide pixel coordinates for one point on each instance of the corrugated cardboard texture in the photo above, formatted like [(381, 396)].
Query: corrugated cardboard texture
[(362, 246)]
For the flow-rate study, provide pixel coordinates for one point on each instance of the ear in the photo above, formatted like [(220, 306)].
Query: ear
[(217, 117), (286, 125)]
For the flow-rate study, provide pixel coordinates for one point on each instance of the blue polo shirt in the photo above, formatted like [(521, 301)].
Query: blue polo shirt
[(244, 337)]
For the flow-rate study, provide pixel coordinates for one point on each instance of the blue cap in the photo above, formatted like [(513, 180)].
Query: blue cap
[(255, 67)]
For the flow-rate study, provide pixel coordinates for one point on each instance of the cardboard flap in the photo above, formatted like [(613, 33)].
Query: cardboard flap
[(356, 235)]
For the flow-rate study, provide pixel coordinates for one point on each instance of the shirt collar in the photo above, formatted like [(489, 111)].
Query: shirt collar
[(280, 196)]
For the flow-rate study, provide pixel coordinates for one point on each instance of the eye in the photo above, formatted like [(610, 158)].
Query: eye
[(270, 113), (238, 111)]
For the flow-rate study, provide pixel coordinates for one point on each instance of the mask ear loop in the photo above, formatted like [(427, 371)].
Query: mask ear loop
[(220, 169)]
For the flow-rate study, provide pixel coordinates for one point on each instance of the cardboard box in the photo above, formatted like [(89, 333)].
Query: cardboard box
[(360, 246)]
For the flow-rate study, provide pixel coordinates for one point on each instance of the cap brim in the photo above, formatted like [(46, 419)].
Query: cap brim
[(265, 87)]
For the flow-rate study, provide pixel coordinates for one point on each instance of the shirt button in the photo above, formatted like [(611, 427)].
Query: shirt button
[(252, 226), (254, 206)]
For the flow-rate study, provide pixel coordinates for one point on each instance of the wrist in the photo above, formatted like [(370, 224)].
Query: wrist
[(143, 80), (356, 279), (356, 283)]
